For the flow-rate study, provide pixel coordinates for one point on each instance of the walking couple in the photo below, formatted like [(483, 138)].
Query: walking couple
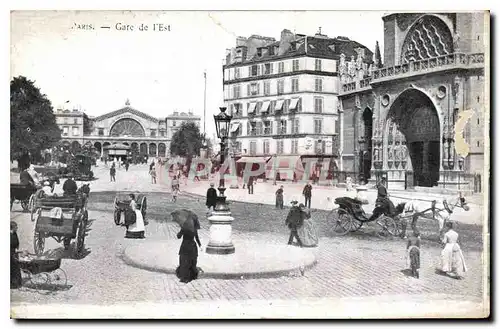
[(301, 226)]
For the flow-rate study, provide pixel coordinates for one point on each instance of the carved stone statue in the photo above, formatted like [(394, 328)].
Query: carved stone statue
[(342, 65), (352, 67), (456, 42), (359, 62)]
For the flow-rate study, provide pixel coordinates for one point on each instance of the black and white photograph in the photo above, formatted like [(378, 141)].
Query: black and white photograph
[(249, 164)]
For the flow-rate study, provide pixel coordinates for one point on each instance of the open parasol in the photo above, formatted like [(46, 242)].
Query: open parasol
[(186, 219)]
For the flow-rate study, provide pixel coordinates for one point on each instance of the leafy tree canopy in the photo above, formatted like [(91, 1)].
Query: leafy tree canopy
[(33, 124), (187, 141)]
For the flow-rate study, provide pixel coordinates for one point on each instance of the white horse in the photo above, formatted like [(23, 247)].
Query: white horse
[(440, 211)]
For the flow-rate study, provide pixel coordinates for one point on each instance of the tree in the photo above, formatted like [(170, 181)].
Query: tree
[(187, 142), (378, 57), (33, 126)]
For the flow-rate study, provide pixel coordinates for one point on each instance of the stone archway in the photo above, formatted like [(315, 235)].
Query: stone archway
[(152, 149), (367, 146), (162, 150), (412, 138), (143, 149), (98, 147)]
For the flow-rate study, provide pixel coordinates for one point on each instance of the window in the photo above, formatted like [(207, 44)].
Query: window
[(318, 105), (318, 126), (237, 73), (295, 65), (236, 91), (259, 52), (254, 70), (272, 106), (286, 105), (65, 131), (295, 126), (253, 147), (317, 64), (101, 131), (153, 132), (267, 88), (259, 128), (320, 147), (281, 67), (162, 133), (268, 128), (174, 123), (271, 51), (254, 89), (75, 131), (258, 107), (265, 147), (295, 85), (279, 147), (295, 147), (282, 127), (75, 121), (65, 120), (281, 87), (237, 109), (252, 128), (318, 84), (268, 68)]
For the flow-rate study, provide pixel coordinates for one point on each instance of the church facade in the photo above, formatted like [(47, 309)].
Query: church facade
[(420, 118)]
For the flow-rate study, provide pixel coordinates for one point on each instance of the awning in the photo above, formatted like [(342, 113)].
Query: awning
[(265, 107), (251, 108), (279, 105), (285, 164), (253, 160), (294, 103), (235, 126)]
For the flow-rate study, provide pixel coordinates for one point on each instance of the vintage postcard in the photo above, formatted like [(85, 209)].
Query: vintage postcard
[(249, 164)]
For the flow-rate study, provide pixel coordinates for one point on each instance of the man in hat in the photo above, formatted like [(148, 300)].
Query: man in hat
[(294, 220), (383, 204), (211, 197), (69, 186)]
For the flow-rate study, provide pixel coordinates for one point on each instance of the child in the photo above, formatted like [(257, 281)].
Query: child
[(413, 253)]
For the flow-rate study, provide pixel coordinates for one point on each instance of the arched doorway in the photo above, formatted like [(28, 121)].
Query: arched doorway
[(366, 147), (98, 147), (413, 137), (152, 150), (161, 150), (143, 150)]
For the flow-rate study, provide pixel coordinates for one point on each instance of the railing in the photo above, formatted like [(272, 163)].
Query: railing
[(422, 66)]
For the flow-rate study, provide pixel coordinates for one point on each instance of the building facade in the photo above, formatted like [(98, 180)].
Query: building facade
[(403, 120), (146, 134), (283, 94)]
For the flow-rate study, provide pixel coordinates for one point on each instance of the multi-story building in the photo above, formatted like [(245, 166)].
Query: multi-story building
[(283, 95), (401, 120), (148, 135)]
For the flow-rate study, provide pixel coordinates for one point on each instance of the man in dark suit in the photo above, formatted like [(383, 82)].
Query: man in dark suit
[(211, 197), (69, 186), (383, 204), (294, 220), (307, 192)]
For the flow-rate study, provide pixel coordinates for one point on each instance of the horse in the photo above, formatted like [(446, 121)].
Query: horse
[(436, 210)]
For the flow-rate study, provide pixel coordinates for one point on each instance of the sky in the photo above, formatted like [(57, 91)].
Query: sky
[(158, 71)]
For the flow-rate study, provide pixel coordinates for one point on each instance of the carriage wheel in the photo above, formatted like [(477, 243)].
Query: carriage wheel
[(341, 222), (388, 226), (38, 242), (117, 216), (80, 237), (25, 204), (355, 225), (39, 280), (59, 277)]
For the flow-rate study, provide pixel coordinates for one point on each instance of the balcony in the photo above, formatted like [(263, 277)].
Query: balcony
[(426, 66)]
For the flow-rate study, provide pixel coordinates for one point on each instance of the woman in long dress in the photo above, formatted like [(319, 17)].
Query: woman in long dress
[(307, 232), (188, 253), (135, 230), (15, 270), (452, 258)]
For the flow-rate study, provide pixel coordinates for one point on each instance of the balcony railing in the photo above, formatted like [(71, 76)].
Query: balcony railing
[(456, 60)]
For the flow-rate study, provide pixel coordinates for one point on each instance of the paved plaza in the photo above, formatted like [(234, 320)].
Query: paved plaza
[(357, 269)]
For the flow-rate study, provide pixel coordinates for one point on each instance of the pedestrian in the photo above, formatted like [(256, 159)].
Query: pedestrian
[(134, 220), (294, 220), (307, 232), (152, 172), (187, 270), (452, 258), (307, 192), (279, 198), (413, 254), (250, 185), (15, 270), (112, 173), (151, 166), (211, 197), (348, 183), (127, 164)]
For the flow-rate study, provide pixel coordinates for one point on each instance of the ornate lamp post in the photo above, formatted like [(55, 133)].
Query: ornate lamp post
[(220, 228)]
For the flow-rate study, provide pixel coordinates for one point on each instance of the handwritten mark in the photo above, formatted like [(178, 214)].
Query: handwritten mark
[(461, 146)]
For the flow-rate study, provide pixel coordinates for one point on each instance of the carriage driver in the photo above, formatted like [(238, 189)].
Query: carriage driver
[(383, 203), (69, 186)]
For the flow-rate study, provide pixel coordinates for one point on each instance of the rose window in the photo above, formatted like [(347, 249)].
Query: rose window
[(127, 127)]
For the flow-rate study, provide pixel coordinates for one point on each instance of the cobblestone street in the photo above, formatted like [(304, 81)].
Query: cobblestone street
[(357, 265)]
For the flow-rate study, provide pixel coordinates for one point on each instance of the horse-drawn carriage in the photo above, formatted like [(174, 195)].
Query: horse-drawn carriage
[(62, 218), (122, 202), (80, 166), (350, 217), (23, 193)]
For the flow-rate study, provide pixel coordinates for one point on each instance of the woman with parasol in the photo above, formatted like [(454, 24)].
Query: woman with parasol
[(188, 252)]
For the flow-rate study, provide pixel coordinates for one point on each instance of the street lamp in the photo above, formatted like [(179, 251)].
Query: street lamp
[(221, 220)]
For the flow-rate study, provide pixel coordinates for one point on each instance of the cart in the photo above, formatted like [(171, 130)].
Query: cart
[(122, 202), (42, 270), (350, 217), (71, 224), (21, 192)]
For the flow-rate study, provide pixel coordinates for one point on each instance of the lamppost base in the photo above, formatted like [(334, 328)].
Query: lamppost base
[(220, 233), (220, 250)]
